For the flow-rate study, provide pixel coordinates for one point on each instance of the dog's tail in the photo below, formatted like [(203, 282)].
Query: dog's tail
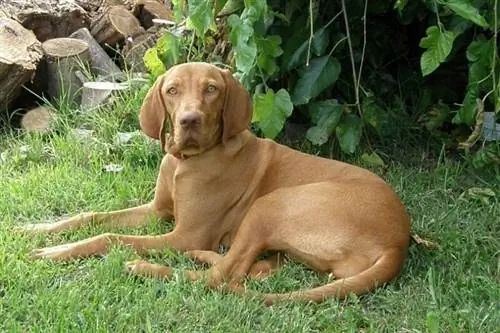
[(386, 268)]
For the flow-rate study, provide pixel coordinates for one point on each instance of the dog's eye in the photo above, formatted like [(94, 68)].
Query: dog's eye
[(211, 88), (172, 91)]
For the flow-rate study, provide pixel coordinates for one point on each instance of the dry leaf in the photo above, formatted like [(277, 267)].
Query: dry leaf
[(425, 242)]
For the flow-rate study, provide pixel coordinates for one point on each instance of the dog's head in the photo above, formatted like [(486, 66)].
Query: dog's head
[(194, 107)]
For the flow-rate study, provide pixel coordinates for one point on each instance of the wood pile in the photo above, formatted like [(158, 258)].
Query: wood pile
[(57, 48)]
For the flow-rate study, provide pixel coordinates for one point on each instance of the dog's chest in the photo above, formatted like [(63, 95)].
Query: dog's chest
[(200, 195)]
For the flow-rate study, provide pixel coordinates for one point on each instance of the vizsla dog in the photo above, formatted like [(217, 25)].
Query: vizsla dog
[(223, 185)]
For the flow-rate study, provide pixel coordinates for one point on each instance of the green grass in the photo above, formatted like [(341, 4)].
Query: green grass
[(454, 289)]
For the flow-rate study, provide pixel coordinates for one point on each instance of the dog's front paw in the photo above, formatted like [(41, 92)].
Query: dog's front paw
[(60, 252), (146, 269), (35, 228)]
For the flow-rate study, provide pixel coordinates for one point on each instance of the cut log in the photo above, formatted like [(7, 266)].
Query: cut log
[(93, 6), (129, 4), (102, 64), (134, 50), (147, 10), (47, 18), (66, 59), (96, 94), (90, 6), (40, 119), (20, 53), (114, 25)]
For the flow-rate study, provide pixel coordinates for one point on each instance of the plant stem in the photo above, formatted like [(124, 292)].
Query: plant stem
[(351, 55), (311, 32), (363, 50)]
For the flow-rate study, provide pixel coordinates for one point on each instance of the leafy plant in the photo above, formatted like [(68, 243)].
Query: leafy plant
[(341, 67), (438, 43), (271, 110), (481, 52)]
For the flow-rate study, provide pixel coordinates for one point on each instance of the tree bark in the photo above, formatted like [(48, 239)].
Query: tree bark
[(66, 59), (147, 10), (114, 25), (20, 53), (102, 64), (134, 50), (46, 18)]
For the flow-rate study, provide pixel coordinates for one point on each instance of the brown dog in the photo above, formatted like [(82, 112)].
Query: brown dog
[(223, 185)]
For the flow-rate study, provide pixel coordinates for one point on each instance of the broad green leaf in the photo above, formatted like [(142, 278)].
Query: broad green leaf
[(320, 42), (263, 104), (480, 50), (467, 11), (293, 42), (255, 9), (326, 115), (169, 49), (298, 56), (227, 7), (373, 159), (201, 16), (458, 24), (269, 49), (349, 133), (373, 114), (479, 54), (467, 112), (245, 56), (321, 73), (270, 45), (270, 111), (317, 135), (244, 46), (283, 102), (179, 9), (319, 111), (153, 63), (400, 5), (438, 44)]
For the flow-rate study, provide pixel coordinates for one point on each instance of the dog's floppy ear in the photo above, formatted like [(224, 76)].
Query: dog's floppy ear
[(237, 110), (153, 112)]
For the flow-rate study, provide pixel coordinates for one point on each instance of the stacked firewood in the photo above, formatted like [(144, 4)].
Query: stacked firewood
[(59, 47)]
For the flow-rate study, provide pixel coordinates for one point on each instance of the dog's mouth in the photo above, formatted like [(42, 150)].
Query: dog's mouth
[(186, 146), (189, 143)]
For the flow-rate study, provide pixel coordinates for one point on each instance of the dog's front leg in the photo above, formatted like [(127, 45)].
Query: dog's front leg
[(130, 217), (100, 245)]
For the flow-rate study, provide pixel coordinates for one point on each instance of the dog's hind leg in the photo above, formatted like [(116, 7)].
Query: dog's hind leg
[(262, 269), (259, 270)]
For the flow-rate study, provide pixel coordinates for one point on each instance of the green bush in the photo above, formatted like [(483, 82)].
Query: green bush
[(343, 67)]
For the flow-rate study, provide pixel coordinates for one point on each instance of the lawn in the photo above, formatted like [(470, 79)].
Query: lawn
[(43, 177)]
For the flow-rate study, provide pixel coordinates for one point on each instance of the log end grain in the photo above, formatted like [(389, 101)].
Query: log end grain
[(19, 45), (64, 47), (40, 120)]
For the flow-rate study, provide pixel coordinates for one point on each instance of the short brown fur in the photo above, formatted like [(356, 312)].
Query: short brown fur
[(223, 185)]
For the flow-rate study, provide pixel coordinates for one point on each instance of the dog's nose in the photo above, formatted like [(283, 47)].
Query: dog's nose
[(190, 119)]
